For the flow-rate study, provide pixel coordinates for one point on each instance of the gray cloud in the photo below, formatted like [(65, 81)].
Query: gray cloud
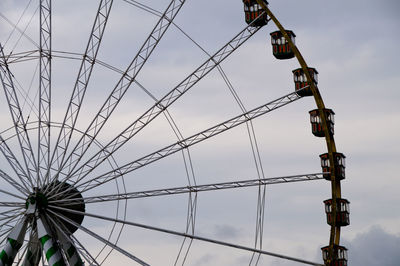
[(226, 232), (354, 46), (205, 260), (374, 248)]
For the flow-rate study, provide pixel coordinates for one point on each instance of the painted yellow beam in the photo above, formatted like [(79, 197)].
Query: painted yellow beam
[(330, 142)]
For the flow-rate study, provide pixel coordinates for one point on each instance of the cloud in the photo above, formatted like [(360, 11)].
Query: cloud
[(226, 232), (205, 260), (354, 47), (374, 248)]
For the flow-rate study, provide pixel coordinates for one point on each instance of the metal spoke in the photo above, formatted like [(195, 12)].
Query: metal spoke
[(11, 213), (44, 90), (12, 182), (84, 252), (165, 102), (12, 194), (82, 81), (189, 236), (122, 86), (105, 241), (193, 189), (17, 117), (178, 146), (11, 204)]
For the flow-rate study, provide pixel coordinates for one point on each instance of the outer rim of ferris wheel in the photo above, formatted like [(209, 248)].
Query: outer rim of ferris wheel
[(334, 238)]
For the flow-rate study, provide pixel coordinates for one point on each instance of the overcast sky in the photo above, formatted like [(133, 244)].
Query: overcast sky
[(354, 47)]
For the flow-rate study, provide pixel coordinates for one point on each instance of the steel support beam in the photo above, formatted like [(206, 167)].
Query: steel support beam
[(44, 90), (199, 137), (194, 189), (164, 102), (122, 86)]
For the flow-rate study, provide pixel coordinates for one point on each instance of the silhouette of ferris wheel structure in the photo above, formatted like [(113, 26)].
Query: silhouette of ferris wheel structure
[(54, 170)]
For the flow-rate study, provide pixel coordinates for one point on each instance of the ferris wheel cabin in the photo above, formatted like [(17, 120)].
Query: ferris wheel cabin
[(316, 122), (340, 165), (342, 212), (280, 46), (252, 11), (302, 85), (339, 254)]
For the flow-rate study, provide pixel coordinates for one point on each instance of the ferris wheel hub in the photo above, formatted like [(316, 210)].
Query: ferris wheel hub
[(52, 195)]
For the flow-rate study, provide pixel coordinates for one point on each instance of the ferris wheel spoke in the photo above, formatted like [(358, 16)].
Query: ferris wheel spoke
[(45, 52), (17, 117), (98, 237), (11, 214), (12, 194), (122, 86), (190, 189), (194, 139), (164, 103), (252, 137), (84, 252), (13, 183), (194, 237), (82, 81)]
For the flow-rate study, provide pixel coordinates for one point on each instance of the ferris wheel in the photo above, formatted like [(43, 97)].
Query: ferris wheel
[(85, 161)]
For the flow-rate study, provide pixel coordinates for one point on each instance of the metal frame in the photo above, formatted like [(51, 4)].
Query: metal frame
[(44, 90), (49, 166)]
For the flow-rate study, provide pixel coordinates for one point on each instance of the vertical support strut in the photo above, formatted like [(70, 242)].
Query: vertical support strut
[(13, 243), (44, 89), (70, 251), (50, 248), (32, 257)]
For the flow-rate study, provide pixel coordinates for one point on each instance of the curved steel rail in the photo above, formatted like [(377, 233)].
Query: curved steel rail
[(330, 142)]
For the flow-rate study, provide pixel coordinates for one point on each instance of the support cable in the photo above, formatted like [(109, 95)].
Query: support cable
[(180, 234), (91, 233), (22, 32)]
